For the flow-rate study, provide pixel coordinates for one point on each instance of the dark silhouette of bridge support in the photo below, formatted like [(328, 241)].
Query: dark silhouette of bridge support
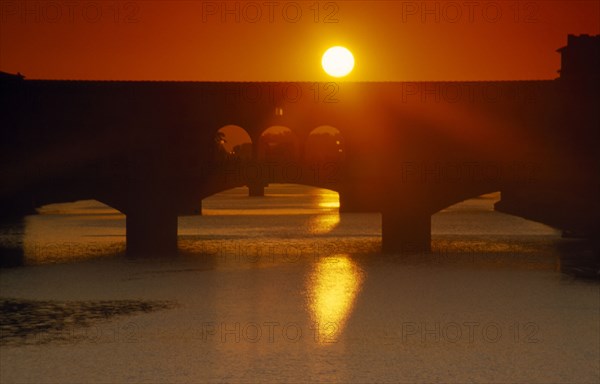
[(151, 228), (405, 230), (350, 201), (256, 189)]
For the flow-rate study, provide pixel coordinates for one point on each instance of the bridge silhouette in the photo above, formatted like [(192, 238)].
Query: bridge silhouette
[(410, 149)]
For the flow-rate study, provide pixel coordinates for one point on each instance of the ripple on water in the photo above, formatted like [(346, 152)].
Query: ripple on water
[(41, 322)]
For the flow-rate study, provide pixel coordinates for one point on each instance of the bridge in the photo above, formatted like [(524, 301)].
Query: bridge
[(410, 149)]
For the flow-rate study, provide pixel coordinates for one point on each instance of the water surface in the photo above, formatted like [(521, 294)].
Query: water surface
[(284, 289)]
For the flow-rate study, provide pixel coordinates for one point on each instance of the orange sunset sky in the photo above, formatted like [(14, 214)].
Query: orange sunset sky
[(284, 41)]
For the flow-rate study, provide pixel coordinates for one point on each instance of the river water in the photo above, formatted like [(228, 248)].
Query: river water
[(284, 289)]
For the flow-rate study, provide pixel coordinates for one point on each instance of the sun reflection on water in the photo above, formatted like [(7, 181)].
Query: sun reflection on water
[(329, 202), (333, 286), (328, 199), (321, 224)]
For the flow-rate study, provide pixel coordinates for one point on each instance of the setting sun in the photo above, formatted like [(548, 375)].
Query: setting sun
[(338, 61), (290, 191)]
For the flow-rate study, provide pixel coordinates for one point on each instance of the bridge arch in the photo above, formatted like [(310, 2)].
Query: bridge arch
[(449, 199), (233, 142), (327, 200), (79, 205), (278, 144), (59, 230), (491, 194), (324, 144), (480, 228)]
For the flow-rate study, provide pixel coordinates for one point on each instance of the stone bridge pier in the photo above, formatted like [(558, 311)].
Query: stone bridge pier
[(405, 226), (151, 223)]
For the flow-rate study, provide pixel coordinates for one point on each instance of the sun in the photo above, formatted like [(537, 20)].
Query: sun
[(337, 61)]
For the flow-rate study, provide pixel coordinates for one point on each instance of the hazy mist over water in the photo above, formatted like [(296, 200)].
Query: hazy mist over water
[(282, 288)]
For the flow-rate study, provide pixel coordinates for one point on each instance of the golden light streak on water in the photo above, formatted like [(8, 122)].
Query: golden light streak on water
[(322, 224), (333, 286), (329, 199)]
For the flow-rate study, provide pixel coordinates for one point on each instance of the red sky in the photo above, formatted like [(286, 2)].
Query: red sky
[(272, 41)]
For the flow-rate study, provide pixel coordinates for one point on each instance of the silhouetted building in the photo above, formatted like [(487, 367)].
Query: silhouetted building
[(4, 76), (580, 58)]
